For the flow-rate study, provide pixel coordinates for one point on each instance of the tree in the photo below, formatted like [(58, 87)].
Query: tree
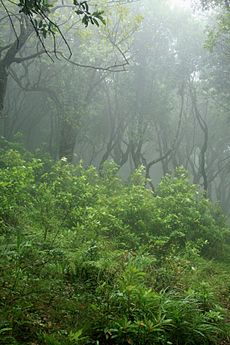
[(39, 13), (206, 4), (219, 32), (61, 93), (27, 19)]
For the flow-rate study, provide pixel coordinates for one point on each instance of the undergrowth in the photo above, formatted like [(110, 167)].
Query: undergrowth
[(89, 259)]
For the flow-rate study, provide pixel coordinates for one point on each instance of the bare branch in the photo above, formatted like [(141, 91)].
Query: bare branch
[(30, 57), (113, 68)]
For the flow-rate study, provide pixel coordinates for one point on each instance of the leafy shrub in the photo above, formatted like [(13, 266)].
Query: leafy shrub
[(87, 258)]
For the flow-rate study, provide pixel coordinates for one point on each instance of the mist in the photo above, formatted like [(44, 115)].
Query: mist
[(142, 90), (128, 103)]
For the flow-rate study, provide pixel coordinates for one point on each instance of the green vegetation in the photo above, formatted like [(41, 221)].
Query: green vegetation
[(89, 259), (112, 232)]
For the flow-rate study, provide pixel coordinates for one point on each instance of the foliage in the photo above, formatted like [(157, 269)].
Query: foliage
[(89, 259), (42, 9)]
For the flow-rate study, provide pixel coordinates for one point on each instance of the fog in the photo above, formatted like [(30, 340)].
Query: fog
[(150, 88), (114, 172)]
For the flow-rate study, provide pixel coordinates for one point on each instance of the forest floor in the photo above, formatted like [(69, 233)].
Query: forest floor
[(88, 259)]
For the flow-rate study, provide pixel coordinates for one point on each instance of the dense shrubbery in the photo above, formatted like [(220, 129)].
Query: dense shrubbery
[(89, 259)]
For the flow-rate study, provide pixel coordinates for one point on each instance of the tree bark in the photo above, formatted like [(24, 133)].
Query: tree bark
[(3, 85)]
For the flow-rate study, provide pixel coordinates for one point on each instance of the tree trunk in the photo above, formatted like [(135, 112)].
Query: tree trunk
[(67, 140), (3, 85)]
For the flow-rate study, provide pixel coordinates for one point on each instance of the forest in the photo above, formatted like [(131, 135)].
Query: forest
[(114, 172)]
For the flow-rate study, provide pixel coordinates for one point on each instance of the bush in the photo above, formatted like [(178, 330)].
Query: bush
[(87, 258)]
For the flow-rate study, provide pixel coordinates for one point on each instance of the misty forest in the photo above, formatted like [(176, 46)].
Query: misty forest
[(115, 172)]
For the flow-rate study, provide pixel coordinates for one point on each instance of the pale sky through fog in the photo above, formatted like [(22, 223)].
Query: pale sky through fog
[(180, 3)]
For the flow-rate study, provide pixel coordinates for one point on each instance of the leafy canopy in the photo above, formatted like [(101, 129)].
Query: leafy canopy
[(39, 13)]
